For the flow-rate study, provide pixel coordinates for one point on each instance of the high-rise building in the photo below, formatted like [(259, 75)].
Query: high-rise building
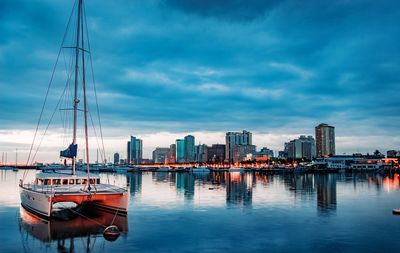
[(236, 138), (180, 151), (135, 150), (116, 158), (160, 155), (325, 140), (216, 153), (128, 152), (189, 149), (201, 153), (302, 147), (172, 153)]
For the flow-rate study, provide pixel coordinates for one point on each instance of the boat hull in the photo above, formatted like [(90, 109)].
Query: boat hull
[(41, 203)]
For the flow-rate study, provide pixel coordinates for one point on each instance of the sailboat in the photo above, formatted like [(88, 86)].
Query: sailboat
[(52, 190)]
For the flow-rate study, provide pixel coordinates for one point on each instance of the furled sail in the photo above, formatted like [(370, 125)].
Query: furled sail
[(70, 152)]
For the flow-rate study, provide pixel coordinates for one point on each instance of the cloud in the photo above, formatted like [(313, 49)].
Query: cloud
[(192, 66)]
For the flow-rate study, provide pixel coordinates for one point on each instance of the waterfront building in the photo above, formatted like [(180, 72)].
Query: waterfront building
[(233, 139), (266, 152), (116, 158), (392, 154), (242, 153), (172, 153), (160, 155), (201, 153), (135, 151), (128, 152), (303, 147), (189, 149), (180, 151), (325, 140), (216, 153)]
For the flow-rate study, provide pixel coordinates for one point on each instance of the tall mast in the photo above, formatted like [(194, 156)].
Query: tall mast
[(76, 100), (85, 107)]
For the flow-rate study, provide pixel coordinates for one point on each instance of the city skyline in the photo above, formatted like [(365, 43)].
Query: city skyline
[(272, 68)]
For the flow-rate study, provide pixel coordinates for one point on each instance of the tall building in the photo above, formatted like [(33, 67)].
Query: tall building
[(116, 158), (189, 149), (302, 147), (236, 138), (172, 153), (216, 153), (160, 155), (325, 140), (135, 151), (201, 153), (180, 151), (128, 152)]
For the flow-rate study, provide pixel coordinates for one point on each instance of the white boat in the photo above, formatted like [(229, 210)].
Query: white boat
[(200, 169), (236, 169), (51, 189)]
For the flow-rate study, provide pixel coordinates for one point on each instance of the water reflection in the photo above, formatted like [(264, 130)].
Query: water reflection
[(65, 232), (239, 188), (185, 184), (134, 181), (326, 192)]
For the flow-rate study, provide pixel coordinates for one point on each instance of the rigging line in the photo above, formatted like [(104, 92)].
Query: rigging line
[(51, 118), (95, 134), (48, 90), (94, 82)]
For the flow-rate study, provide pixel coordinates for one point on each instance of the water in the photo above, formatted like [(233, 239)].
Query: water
[(221, 212)]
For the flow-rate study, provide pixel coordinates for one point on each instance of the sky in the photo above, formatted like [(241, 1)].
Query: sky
[(168, 68)]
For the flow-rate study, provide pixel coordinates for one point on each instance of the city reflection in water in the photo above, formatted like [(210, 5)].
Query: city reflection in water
[(64, 232), (239, 188)]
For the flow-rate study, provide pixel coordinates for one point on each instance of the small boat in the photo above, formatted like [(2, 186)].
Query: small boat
[(163, 169), (396, 211), (201, 169), (236, 169)]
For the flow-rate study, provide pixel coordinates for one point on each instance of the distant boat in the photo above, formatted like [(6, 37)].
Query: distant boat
[(57, 186), (396, 211), (201, 169), (236, 169), (163, 169)]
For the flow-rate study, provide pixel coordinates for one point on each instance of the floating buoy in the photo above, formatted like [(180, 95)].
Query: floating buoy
[(396, 211), (111, 233)]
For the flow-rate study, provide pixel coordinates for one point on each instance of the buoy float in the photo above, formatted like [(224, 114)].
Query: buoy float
[(111, 233), (396, 211)]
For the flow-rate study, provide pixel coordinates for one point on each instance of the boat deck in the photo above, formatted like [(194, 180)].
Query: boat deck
[(74, 189)]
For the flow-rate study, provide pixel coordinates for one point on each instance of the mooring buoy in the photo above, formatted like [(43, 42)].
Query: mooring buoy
[(111, 233)]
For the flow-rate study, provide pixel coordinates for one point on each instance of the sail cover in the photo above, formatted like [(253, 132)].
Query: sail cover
[(70, 152)]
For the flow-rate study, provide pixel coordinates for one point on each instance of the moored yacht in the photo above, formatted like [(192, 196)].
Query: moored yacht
[(57, 187), (50, 188)]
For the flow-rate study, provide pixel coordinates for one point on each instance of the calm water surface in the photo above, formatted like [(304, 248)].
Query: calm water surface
[(221, 212)]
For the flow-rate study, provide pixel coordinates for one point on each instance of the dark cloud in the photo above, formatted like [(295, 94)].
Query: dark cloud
[(232, 10), (195, 65)]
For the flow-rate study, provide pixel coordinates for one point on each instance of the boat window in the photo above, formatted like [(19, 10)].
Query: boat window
[(98, 181), (84, 181), (71, 181), (78, 181), (65, 181), (92, 181), (40, 181), (47, 182), (56, 181)]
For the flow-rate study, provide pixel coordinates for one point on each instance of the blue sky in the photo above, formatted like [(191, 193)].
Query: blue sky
[(166, 68)]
